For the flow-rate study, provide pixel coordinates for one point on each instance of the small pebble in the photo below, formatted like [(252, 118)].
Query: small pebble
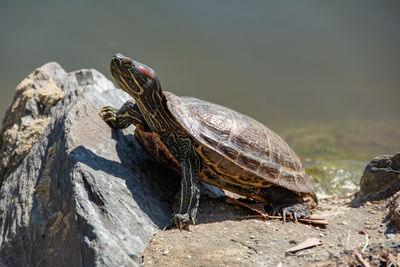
[(321, 234), (343, 223), (390, 236), (165, 252), (252, 237)]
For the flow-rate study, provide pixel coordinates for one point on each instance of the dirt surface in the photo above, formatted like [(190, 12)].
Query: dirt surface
[(225, 236)]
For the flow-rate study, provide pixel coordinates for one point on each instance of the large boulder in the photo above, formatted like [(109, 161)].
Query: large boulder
[(380, 180), (74, 191)]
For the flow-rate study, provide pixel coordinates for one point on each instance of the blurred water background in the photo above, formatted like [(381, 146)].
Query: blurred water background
[(323, 74)]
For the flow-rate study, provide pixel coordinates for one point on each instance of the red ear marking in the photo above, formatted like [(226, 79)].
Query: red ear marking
[(146, 71)]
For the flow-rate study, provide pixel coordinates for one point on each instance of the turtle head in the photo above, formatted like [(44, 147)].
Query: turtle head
[(134, 77)]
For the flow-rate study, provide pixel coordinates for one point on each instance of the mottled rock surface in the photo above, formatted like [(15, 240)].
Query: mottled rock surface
[(74, 191), (381, 179)]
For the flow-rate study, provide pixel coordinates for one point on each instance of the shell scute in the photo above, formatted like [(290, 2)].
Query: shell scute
[(251, 163), (226, 167), (269, 169), (229, 151), (210, 141)]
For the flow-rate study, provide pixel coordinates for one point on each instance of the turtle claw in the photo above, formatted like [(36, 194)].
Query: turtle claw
[(181, 221), (109, 115)]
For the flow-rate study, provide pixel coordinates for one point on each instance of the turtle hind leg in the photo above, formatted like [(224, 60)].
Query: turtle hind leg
[(188, 195), (286, 202), (293, 210)]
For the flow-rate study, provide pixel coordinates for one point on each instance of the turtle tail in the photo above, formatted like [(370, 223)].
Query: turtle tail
[(314, 197)]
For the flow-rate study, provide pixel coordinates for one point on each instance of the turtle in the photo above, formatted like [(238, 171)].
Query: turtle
[(210, 143)]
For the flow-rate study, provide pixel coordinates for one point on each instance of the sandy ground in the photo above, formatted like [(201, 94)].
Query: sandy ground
[(225, 236)]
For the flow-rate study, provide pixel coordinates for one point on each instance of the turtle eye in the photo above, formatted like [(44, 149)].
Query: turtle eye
[(126, 63)]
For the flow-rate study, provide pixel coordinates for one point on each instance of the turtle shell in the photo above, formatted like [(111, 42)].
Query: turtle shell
[(238, 153)]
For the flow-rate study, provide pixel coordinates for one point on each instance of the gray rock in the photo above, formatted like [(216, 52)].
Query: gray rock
[(394, 212), (381, 179), (77, 193)]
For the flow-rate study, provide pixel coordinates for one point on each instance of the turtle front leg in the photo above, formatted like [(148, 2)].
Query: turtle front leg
[(189, 195), (128, 114)]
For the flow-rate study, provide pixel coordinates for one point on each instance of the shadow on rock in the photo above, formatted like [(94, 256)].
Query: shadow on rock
[(152, 185)]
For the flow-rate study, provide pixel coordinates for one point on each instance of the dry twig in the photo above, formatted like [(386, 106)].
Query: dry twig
[(392, 260), (366, 240), (347, 240), (361, 259), (309, 243)]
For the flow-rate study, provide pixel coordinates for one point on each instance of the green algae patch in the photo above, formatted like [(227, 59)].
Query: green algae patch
[(336, 177)]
